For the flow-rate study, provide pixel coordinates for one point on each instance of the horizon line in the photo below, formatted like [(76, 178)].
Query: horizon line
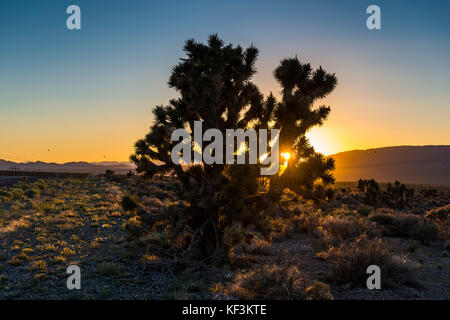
[(127, 161)]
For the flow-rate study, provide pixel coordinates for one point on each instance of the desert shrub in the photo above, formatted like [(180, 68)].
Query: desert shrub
[(43, 206), (16, 193), (244, 253), (349, 263), (6, 194), (276, 282), (32, 193), (233, 234), (174, 186), (306, 223), (318, 192), (244, 244), (406, 226), (96, 197), (337, 226), (344, 227), (41, 184), (239, 257), (439, 215), (258, 246), (129, 203), (156, 191), (152, 201), (265, 225), (344, 211), (364, 210), (40, 265), (318, 291)]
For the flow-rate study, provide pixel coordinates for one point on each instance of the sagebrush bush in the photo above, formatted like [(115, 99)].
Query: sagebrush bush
[(440, 214), (306, 223), (243, 253), (17, 193), (406, 225), (152, 202), (276, 282), (344, 227), (334, 228), (318, 291), (349, 262)]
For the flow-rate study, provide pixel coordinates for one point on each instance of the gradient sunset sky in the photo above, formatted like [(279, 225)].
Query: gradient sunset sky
[(87, 95)]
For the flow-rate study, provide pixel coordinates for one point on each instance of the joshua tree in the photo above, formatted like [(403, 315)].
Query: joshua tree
[(371, 189), (294, 115), (214, 83)]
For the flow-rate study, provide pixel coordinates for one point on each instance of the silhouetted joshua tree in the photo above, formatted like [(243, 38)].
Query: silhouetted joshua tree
[(214, 83), (295, 115), (396, 196)]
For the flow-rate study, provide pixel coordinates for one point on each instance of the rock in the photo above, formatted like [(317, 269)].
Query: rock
[(228, 276)]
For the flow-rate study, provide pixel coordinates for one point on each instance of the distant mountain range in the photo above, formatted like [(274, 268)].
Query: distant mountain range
[(407, 164), (69, 167)]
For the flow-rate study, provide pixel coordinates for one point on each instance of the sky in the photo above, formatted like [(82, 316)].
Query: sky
[(87, 95)]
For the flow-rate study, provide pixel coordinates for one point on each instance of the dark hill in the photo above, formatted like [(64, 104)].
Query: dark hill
[(69, 167), (408, 164)]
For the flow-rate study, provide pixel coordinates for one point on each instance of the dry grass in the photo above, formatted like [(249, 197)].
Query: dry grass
[(60, 222)]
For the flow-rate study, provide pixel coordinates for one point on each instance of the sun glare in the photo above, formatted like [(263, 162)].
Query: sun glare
[(323, 141), (286, 155)]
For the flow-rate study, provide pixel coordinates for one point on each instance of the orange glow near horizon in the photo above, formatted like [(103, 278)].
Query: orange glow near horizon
[(324, 141), (104, 129)]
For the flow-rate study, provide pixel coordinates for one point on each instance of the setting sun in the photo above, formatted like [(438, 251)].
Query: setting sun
[(286, 155)]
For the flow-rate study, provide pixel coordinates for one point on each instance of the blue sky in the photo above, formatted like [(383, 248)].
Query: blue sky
[(87, 94)]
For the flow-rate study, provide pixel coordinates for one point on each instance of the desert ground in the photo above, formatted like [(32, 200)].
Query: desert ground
[(312, 250)]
